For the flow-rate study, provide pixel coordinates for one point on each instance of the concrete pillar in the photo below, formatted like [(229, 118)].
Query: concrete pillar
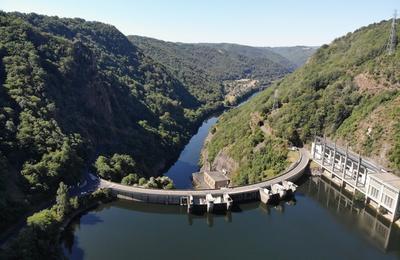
[(333, 159), (323, 152), (314, 145), (340, 162), (358, 169), (352, 169), (329, 155), (380, 195), (345, 163), (210, 206), (365, 176), (394, 216)]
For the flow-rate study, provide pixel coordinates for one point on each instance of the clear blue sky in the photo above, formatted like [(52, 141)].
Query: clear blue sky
[(251, 22)]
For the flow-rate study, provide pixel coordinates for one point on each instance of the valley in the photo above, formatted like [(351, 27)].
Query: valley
[(264, 144)]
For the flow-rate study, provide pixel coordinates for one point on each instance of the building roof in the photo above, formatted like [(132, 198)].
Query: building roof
[(387, 178), (217, 176)]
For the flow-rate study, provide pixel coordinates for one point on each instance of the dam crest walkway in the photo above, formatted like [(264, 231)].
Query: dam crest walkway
[(240, 193)]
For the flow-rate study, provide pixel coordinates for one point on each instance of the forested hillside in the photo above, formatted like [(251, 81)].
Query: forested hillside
[(71, 90), (298, 55), (290, 57), (349, 91), (217, 71)]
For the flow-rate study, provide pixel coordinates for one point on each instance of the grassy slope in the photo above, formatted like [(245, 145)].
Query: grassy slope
[(349, 90)]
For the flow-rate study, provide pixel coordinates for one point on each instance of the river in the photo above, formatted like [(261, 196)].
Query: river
[(187, 163), (322, 223)]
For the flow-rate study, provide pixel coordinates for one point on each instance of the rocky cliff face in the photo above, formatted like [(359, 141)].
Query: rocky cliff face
[(222, 161)]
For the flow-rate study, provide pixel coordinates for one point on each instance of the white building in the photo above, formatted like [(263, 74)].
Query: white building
[(381, 188)]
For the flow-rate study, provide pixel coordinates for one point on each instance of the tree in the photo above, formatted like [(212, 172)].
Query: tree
[(74, 202), (43, 220), (116, 167), (169, 186), (122, 164), (62, 200), (152, 183), (130, 179), (142, 181), (63, 164), (103, 167)]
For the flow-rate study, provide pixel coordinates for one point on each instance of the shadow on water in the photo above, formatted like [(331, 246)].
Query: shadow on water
[(317, 203), (353, 214), (70, 242), (182, 181), (90, 219)]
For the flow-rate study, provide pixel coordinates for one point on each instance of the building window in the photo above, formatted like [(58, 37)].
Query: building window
[(388, 201), (373, 192)]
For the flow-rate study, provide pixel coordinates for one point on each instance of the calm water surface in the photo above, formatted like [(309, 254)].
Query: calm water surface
[(181, 171), (321, 224)]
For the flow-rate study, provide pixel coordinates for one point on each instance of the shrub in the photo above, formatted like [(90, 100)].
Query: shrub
[(130, 179)]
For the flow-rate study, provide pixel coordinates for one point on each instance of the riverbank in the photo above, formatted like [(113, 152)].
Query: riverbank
[(216, 112), (13, 231), (318, 218), (36, 239), (240, 193), (188, 161)]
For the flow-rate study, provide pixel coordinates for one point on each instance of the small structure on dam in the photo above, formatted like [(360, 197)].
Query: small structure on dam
[(208, 203), (211, 179), (277, 192), (349, 170), (216, 180), (209, 199)]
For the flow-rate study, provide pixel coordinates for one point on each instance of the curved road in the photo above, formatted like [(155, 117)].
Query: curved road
[(166, 196), (90, 183)]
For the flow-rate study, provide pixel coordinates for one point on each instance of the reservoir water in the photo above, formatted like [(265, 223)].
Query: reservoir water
[(321, 223)]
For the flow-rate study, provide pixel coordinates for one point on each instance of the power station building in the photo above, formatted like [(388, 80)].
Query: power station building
[(380, 187)]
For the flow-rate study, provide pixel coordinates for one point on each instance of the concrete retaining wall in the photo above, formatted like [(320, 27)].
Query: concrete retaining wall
[(238, 194)]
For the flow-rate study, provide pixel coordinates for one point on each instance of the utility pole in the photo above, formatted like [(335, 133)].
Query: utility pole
[(392, 38)]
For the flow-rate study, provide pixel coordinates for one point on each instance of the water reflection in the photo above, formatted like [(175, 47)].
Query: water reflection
[(352, 213), (187, 163), (322, 222)]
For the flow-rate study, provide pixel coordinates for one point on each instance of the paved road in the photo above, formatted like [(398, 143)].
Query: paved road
[(291, 174), (88, 183)]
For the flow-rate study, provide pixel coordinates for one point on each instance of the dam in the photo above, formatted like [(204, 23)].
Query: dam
[(237, 194)]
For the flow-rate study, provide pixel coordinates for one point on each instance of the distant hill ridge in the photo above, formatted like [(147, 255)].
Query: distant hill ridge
[(207, 65), (348, 90), (72, 89)]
